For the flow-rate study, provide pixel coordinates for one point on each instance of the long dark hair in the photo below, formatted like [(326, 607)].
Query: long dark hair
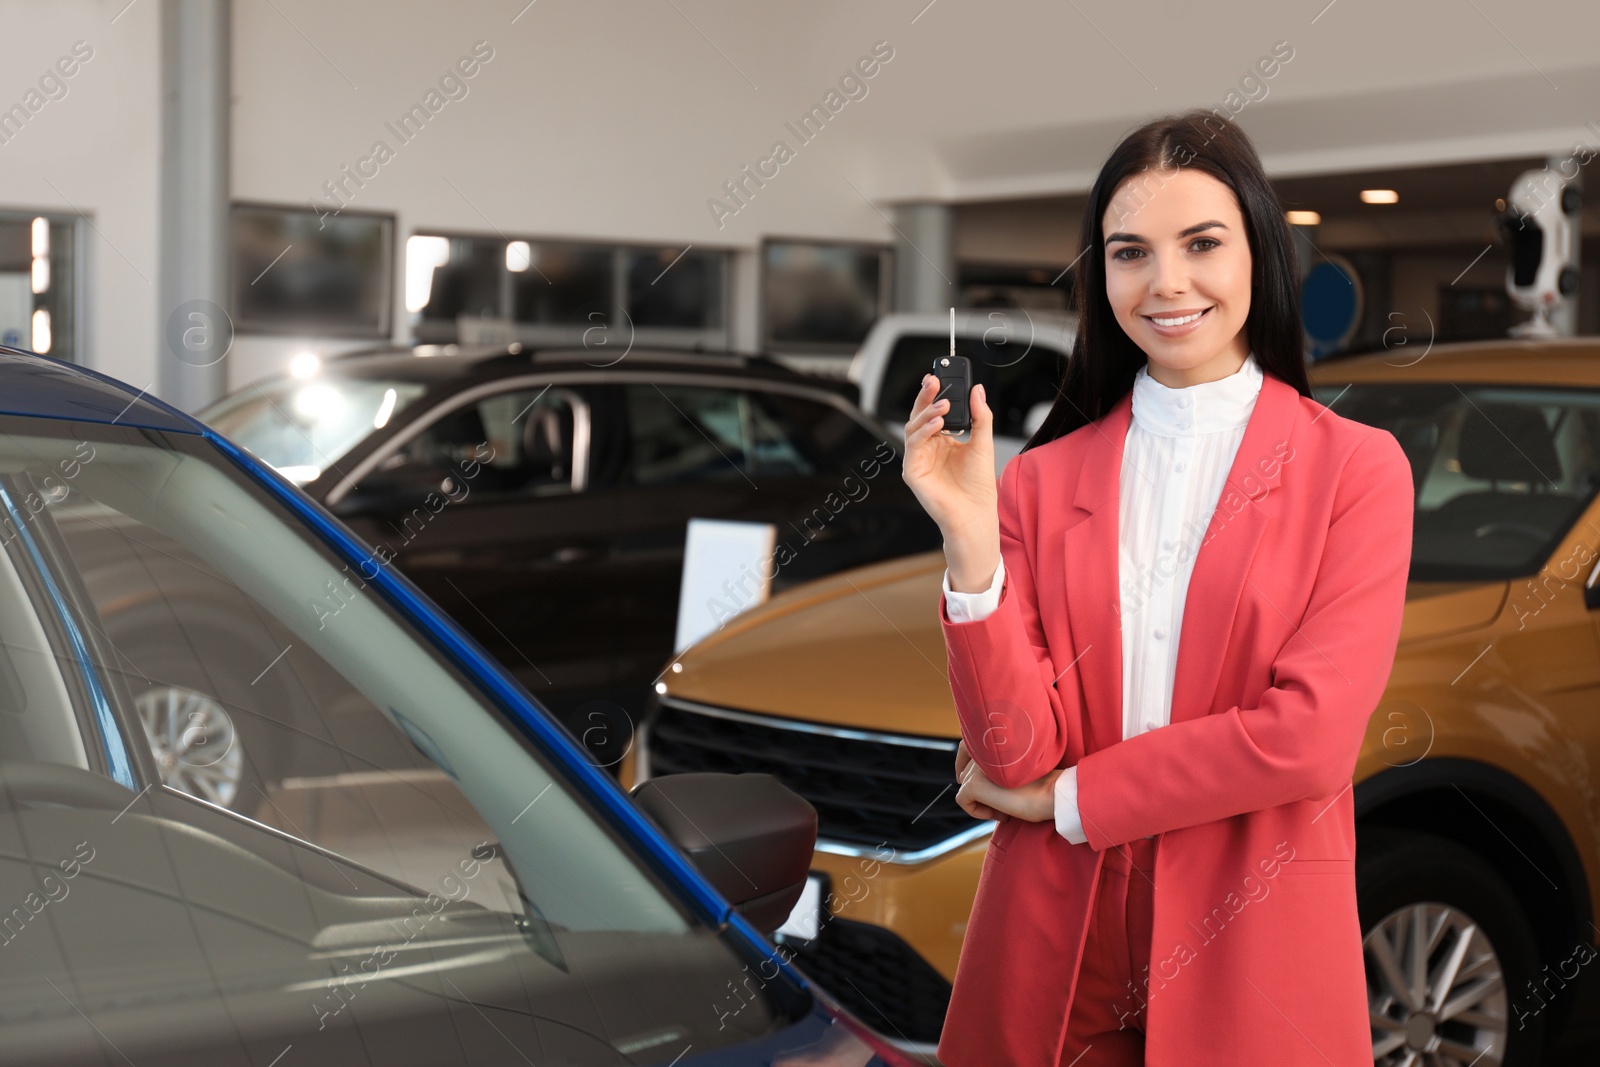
[(1104, 358)]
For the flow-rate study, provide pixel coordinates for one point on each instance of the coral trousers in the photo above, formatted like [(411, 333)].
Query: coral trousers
[(1105, 1026)]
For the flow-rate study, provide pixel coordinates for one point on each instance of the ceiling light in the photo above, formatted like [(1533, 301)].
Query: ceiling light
[(1379, 196), (41, 331), (423, 254), (304, 364), (519, 256), (1304, 218)]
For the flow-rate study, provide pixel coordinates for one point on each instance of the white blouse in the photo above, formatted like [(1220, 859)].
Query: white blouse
[(1179, 449)]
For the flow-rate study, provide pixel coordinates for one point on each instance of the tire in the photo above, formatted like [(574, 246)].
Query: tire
[(1406, 881)]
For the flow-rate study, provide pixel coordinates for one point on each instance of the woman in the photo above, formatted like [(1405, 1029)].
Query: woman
[(1172, 878)]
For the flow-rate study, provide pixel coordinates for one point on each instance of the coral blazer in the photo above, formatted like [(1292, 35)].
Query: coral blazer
[(1286, 645)]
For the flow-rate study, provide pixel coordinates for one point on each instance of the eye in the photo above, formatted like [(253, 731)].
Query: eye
[(1209, 242), (1126, 254)]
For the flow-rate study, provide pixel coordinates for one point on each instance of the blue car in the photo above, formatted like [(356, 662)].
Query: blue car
[(445, 878)]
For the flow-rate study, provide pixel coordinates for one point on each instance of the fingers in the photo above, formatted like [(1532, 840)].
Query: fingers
[(926, 408), (925, 394), (932, 423), (982, 417)]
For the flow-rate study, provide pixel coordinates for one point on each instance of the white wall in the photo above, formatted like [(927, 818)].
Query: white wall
[(618, 119), (94, 150)]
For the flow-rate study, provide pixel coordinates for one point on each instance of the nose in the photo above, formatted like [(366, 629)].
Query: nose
[(1170, 276)]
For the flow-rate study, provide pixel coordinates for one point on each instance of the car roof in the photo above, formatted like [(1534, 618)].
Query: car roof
[(1556, 361), (443, 363), (45, 387)]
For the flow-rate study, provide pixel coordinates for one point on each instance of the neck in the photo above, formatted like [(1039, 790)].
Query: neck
[(1221, 365)]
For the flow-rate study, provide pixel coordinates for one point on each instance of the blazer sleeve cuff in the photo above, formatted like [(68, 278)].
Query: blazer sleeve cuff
[(973, 607), (1069, 821)]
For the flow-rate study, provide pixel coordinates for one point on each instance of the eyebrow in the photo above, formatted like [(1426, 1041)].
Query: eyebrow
[(1190, 232)]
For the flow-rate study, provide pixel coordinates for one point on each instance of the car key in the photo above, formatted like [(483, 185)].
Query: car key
[(955, 384)]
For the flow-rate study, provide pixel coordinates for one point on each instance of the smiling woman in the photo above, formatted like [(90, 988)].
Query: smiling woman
[(1181, 289), (1146, 743)]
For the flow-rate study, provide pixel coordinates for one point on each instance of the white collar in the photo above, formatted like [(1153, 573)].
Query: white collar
[(1222, 404)]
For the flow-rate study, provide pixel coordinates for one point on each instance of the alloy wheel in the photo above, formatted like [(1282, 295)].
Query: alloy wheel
[(1436, 990), (194, 741)]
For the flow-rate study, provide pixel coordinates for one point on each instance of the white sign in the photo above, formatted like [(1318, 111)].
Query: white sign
[(726, 569)]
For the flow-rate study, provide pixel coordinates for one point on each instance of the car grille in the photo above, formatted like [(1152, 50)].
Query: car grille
[(871, 790), (882, 980)]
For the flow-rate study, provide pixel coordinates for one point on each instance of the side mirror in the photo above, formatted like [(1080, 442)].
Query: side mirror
[(399, 490), (749, 834), (365, 500)]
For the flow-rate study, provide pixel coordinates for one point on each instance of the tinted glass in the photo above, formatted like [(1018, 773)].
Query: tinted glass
[(692, 433), (671, 287), (830, 439), (1501, 472), (526, 441), (814, 294), (468, 282), (347, 858), (310, 272), (564, 285)]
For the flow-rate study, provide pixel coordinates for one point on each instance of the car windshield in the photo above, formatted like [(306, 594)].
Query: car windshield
[(263, 811), (1501, 471), (303, 426)]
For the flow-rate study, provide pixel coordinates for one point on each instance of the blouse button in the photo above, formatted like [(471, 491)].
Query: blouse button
[(1160, 634), (1184, 425), (1178, 466), (1183, 401)]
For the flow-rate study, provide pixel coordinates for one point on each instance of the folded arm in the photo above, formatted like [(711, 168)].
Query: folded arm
[(1303, 737)]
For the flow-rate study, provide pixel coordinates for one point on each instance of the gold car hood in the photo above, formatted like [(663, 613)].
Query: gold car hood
[(864, 648), (858, 648)]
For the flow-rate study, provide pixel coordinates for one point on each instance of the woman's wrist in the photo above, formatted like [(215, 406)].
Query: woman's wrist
[(972, 566)]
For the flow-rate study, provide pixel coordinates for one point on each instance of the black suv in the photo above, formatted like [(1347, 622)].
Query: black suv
[(541, 498)]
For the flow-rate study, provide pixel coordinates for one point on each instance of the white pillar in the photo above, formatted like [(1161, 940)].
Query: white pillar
[(196, 332), (924, 257)]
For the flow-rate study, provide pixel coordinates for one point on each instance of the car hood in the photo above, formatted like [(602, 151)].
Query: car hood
[(864, 647)]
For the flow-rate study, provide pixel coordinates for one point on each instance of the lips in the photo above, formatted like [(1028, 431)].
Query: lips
[(1177, 319)]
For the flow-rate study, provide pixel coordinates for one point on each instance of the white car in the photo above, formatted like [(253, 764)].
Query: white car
[(1017, 355)]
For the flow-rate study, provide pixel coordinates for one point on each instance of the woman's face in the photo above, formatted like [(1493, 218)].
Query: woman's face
[(1178, 273)]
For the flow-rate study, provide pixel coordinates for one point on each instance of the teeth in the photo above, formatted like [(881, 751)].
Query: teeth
[(1176, 322)]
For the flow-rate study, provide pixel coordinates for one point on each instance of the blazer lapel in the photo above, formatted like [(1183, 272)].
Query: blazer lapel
[(1094, 603)]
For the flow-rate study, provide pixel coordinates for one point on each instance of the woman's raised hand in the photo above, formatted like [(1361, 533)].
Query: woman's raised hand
[(955, 483)]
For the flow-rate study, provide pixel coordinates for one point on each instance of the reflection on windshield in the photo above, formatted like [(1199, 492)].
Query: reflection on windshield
[(393, 875), (304, 426)]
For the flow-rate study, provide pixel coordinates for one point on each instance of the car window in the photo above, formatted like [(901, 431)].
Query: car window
[(336, 843), (694, 433), (1501, 472), (1015, 376), (529, 441), (832, 440), (304, 426)]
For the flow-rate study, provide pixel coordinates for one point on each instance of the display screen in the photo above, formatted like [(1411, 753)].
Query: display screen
[(821, 296), (298, 271)]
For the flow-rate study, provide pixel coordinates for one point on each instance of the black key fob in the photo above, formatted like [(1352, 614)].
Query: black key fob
[(955, 385)]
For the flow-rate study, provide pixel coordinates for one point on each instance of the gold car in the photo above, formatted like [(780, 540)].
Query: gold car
[(1476, 797)]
